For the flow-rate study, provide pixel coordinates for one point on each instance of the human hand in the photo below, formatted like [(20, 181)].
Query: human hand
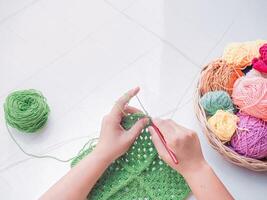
[(182, 141), (114, 141)]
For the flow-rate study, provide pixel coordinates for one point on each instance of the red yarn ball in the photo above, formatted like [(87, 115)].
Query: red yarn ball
[(260, 63), (263, 52)]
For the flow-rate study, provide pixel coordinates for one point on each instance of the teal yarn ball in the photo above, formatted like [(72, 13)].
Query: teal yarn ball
[(26, 110), (216, 100)]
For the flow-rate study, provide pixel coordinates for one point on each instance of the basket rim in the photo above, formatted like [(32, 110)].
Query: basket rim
[(228, 153)]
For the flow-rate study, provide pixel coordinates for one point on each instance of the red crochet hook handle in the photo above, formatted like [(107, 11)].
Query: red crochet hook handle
[(170, 152)]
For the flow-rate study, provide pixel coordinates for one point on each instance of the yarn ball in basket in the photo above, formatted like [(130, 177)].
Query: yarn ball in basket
[(250, 139), (26, 110), (240, 54), (216, 100), (223, 124), (250, 95), (219, 76), (260, 63), (256, 73)]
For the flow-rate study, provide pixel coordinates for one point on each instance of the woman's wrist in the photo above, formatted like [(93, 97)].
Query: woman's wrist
[(196, 168), (102, 156), (194, 171), (205, 184)]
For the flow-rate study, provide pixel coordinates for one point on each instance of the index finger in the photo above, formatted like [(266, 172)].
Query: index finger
[(165, 127), (118, 108)]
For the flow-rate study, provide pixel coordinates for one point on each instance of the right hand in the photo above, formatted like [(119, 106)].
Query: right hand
[(182, 141)]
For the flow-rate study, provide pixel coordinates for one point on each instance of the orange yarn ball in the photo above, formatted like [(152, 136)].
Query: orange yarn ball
[(219, 76)]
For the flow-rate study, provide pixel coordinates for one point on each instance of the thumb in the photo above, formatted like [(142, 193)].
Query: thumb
[(135, 131)]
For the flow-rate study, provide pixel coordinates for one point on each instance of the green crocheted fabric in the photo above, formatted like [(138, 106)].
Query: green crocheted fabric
[(139, 174)]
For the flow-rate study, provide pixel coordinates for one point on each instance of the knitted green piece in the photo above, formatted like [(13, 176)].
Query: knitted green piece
[(26, 110), (139, 174)]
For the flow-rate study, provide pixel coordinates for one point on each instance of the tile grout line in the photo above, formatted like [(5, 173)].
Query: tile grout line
[(175, 48), (63, 54), (204, 60), (52, 61), (126, 67), (130, 5), (11, 31), (18, 11), (145, 28), (183, 96), (167, 43), (219, 41), (73, 47), (78, 43), (155, 34)]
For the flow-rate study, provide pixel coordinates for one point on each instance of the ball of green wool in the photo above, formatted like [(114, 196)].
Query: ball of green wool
[(216, 100), (26, 110)]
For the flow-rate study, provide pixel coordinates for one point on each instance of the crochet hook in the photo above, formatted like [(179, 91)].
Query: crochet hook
[(170, 152)]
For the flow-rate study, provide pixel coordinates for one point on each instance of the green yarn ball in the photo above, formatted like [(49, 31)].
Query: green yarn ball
[(26, 110), (216, 100)]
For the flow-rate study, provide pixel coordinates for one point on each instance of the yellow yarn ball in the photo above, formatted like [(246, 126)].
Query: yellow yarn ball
[(240, 54), (223, 124)]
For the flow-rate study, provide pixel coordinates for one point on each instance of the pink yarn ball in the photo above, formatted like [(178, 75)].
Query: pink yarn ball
[(250, 139), (250, 95), (260, 63), (256, 73)]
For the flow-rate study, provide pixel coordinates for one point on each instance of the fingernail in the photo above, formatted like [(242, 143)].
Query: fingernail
[(134, 89), (146, 119)]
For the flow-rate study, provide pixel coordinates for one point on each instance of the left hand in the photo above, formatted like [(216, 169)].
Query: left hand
[(114, 141)]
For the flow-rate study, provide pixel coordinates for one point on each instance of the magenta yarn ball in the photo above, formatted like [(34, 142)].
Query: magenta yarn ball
[(250, 139)]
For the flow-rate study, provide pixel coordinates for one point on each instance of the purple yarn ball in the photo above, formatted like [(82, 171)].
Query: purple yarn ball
[(250, 139)]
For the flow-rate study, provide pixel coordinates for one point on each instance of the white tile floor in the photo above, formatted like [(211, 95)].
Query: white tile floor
[(83, 54)]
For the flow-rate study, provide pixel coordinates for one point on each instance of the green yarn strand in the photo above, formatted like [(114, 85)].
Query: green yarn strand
[(26, 110)]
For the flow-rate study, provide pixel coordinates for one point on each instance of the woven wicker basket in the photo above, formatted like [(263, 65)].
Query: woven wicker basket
[(226, 152)]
